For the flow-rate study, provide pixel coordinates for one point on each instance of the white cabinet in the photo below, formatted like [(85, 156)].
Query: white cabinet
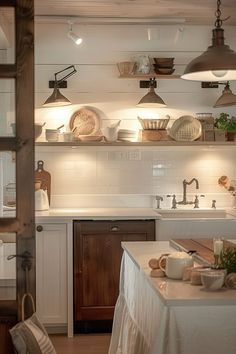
[(51, 273)]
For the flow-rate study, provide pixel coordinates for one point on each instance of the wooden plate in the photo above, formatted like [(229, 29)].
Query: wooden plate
[(86, 122)]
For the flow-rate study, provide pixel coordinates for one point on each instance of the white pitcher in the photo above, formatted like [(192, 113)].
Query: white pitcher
[(111, 132), (175, 264)]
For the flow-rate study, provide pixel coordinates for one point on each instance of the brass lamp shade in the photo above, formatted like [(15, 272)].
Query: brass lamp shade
[(218, 62), (151, 99), (56, 99), (226, 99)]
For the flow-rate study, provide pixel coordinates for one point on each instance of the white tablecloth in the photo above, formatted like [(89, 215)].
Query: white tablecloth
[(145, 324)]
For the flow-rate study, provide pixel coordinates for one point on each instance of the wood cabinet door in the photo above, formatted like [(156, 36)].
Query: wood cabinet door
[(97, 259)]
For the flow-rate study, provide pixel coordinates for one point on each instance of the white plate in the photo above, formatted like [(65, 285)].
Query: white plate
[(85, 122), (185, 128)]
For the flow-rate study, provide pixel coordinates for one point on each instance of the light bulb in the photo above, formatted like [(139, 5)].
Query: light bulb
[(219, 73), (75, 38)]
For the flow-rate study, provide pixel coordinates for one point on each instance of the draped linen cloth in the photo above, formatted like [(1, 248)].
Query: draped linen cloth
[(145, 324)]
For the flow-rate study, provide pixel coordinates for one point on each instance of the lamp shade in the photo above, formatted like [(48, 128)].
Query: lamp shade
[(218, 62), (226, 99), (56, 99), (76, 39), (151, 99)]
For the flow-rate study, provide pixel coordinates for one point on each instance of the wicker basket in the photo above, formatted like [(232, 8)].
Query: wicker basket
[(153, 124)]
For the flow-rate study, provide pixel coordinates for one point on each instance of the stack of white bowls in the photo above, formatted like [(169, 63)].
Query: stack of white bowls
[(127, 135)]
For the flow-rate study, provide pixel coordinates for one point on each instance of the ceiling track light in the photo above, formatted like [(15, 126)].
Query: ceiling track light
[(76, 39), (218, 62), (228, 98), (57, 99), (151, 99)]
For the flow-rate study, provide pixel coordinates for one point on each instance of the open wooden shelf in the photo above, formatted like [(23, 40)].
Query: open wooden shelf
[(147, 76), (138, 143)]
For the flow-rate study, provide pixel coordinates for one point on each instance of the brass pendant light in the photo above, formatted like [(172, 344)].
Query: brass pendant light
[(227, 98), (218, 62), (151, 99)]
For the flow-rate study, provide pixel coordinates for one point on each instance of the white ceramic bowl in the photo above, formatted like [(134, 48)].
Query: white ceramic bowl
[(213, 279), (51, 135)]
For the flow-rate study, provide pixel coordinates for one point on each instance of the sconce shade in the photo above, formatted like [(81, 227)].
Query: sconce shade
[(218, 62), (226, 99), (56, 99), (151, 99)]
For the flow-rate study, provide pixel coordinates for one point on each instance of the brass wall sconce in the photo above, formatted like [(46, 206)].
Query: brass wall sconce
[(228, 98), (151, 99)]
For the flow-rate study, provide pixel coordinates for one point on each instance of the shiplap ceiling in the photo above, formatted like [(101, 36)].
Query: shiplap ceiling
[(186, 11)]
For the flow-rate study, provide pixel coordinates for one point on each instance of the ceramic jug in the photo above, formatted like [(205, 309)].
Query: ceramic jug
[(176, 264), (41, 200), (111, 132)]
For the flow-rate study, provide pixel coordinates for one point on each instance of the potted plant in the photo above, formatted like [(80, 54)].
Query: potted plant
[(227, 124)]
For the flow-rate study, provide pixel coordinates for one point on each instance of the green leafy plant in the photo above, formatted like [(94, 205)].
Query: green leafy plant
[(228, 260), (225, 122)]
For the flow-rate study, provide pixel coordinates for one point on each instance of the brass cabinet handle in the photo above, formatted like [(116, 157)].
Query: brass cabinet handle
[(115, 228), (39, 228)]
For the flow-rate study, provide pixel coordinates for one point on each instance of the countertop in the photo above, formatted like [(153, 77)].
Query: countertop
[(95, 213), (174, 292)]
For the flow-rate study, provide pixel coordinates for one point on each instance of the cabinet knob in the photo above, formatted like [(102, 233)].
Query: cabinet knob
[(39, 228), (115, 228)]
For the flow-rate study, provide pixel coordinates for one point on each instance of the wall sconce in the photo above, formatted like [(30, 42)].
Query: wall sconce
[(227, 98), (151, 99), (217, 62), (73, 36), (57, 99)]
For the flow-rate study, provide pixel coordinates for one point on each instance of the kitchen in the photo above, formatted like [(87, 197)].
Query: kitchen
[(106, 176)]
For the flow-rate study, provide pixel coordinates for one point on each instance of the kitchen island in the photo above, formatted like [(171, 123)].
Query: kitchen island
[(164, 316)]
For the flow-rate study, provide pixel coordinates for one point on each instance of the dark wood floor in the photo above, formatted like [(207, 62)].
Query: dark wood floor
[(82, 344)]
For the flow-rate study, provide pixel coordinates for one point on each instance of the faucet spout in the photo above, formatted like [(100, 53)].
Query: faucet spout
[(190, 182), (185, 183)]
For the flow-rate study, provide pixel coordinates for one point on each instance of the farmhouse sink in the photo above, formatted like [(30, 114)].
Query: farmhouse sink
[(193, 223), (194, 214)]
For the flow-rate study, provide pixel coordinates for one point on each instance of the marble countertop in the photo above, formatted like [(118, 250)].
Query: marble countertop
[(174, 292), (95, 213)]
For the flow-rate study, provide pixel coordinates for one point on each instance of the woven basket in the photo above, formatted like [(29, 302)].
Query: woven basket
[(153, 124)]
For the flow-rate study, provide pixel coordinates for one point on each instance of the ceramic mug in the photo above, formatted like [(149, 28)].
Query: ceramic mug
[(175, 264)]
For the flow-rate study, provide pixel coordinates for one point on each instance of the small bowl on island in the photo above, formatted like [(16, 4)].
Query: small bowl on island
[(213, 279)]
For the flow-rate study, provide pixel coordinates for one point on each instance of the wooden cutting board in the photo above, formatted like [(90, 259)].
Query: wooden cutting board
[(202, 246), (44, 177)]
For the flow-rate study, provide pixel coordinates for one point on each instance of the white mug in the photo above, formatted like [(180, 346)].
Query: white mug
[(175, 264)]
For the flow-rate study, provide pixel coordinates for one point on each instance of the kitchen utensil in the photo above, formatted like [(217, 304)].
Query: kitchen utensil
[(185, 128), (126, 67), (38, 128), (41, 200), (154, 123), (44, 177), (175, 264), (164, 62), (213, 280), (51, 135), (86, 122), (111, 132)]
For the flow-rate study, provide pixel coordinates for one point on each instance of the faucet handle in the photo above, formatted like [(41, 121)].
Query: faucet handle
[(196, 200), (159, 199), (174, 201)]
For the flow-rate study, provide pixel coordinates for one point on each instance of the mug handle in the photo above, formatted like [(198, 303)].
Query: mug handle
[(160, 260)]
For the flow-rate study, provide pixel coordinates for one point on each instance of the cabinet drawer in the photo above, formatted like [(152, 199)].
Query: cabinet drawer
[(115, 226)]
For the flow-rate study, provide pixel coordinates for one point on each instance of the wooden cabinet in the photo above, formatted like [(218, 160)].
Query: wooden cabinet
[(51, 274), (97, 258)]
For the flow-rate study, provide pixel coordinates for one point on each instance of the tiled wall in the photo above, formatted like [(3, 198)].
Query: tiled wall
[(122, 176)]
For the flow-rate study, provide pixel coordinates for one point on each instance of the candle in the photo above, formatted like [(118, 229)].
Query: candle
[(218, 246)]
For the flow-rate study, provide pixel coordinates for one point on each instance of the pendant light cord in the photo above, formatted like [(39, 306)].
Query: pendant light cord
[(219, 21)]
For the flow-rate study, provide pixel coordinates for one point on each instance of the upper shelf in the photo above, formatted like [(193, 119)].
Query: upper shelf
[(147, 76)]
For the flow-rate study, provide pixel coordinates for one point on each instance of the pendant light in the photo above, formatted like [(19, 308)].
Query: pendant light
[(57, 99), (218, 62), (151, 99), (227, 98)]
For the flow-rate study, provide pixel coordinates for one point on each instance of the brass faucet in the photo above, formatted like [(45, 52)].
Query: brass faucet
[(185, 184), (184, 201)]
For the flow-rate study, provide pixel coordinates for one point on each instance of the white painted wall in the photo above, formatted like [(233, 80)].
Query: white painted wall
[(100, 175)]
